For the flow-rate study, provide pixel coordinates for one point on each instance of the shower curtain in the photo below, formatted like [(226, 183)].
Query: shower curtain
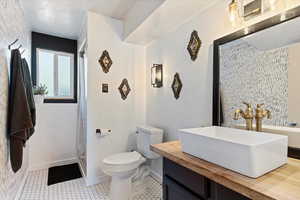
[(82, 109)]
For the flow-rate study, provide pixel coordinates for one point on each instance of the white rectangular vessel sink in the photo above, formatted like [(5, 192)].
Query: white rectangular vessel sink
[(293, 133), (250, 153)]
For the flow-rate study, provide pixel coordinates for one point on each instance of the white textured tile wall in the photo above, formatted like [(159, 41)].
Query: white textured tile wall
[(254, 76), (3, 114), (12, 26)]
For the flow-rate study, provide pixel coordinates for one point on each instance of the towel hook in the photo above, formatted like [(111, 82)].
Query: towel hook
[(14, 42)]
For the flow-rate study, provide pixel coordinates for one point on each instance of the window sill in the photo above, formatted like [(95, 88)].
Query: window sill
[(60, 100)]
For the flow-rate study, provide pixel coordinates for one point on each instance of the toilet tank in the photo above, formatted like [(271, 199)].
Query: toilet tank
[(146, 136)]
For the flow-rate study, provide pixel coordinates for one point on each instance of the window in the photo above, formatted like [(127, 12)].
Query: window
[(56, 71)]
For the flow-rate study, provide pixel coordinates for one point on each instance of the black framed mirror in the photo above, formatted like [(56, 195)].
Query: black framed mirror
[(258, 64)]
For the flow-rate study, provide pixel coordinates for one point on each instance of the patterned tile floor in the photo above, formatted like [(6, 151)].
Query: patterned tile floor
[(36, 189)]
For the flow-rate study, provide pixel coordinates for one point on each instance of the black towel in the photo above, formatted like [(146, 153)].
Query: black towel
[(19, 115), (29, 94)]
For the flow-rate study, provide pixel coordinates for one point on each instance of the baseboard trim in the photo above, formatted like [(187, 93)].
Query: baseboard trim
[(53, 164), (82, 172), (156, 176), (96, 180), (20, 190), (81, 168)]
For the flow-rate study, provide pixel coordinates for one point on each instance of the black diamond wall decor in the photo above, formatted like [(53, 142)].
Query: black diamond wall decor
[(124, 89), (105, 61), (194, 45), (176, 86)]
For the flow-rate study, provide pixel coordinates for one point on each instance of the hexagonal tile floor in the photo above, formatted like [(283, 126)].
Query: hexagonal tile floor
[(36, 189)]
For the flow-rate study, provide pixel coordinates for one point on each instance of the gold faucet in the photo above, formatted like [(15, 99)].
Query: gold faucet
[(260, 114), (247, 115)]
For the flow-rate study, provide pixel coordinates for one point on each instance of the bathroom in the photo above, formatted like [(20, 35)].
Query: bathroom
[(141, 74)]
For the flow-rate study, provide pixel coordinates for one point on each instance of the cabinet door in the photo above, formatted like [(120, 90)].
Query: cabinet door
[(219, 192), (175, 191), (191, 180)]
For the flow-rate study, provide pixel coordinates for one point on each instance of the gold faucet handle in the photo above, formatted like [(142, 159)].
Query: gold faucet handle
[(237, 114), (269, 115), (247, 104), (260, 105)]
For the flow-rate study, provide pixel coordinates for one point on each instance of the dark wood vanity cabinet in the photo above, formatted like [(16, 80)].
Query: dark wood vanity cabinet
[(219, 192), (176, 191), (180, 183)]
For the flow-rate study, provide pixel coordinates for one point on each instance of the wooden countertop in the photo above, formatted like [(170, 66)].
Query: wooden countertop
[(281, 184)]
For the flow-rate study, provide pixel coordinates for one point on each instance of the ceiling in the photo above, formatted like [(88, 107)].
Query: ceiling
[(167, 18), (65, 17)]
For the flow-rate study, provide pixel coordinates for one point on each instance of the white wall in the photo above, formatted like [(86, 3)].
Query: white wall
[(164, 20), (54, 140), (194, 107), (108, 110), (12, 26)]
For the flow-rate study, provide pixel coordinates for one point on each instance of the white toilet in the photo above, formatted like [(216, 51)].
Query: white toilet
[(122, 167)]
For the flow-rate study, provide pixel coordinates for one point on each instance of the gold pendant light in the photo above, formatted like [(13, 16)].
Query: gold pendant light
[(233, 9)]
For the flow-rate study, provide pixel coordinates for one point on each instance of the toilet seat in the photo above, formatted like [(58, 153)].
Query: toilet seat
[(123, 167), (122, 164), (123, 158)]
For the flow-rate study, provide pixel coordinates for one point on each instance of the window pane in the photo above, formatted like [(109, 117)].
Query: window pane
[(46, 70), (64, 76)]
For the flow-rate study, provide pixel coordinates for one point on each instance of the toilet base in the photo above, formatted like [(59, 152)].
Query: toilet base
[(120, 188)]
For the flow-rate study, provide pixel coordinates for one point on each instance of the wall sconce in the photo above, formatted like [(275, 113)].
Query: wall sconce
[(157, 76)]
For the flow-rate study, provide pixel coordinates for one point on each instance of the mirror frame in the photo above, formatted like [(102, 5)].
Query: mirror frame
[(267, 23)]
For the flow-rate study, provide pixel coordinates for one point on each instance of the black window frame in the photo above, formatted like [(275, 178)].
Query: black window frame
[(53, 43)]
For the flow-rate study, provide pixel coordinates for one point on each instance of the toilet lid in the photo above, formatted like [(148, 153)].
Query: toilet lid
[(122, 158)]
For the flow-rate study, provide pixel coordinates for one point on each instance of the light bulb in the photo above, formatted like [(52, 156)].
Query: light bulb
[(282, 17), (272, 4), (246, 30), (233, 12)]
